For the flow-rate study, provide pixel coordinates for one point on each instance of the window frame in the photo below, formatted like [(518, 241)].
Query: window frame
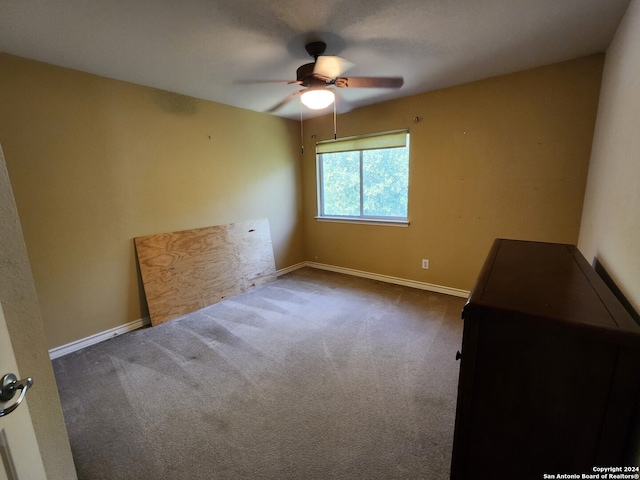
[(367, 141)]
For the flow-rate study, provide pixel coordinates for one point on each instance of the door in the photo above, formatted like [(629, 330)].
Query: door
[(19, 453)]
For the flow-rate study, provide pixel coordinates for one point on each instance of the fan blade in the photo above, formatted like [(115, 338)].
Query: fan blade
[(286, 100), (261, 82), (369, 82), (331, 67)]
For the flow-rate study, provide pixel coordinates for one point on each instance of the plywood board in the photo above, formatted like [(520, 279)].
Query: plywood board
[(188, 270)]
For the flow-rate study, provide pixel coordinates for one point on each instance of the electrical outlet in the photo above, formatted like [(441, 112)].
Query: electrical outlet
[(425, 264)]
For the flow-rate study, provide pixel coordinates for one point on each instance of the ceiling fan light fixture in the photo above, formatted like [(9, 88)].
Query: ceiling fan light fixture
[(318, 98)]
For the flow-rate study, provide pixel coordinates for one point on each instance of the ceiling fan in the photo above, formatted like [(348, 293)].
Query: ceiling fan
[(323, 73)]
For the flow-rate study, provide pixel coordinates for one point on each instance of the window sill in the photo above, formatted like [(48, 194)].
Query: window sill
[(365, 221)]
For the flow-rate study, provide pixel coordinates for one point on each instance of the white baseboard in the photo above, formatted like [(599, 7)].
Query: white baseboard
[(114, 332), (291, 268), (456, 292), (97, 338)]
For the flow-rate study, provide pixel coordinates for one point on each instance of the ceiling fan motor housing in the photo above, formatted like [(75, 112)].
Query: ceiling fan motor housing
[(305, 76), (315, 49)]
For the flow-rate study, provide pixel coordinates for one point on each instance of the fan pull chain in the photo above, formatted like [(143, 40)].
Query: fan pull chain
[(301, 128), (335, 128)]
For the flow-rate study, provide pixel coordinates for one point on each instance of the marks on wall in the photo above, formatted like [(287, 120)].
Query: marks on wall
[(174, 103)]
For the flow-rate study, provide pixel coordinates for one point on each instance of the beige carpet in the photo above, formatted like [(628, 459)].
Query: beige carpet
[(315, 376)]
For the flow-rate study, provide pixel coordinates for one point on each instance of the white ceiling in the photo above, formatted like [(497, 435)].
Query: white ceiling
[(221, 50)]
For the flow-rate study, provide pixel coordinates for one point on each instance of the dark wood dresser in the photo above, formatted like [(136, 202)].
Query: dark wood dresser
[(550, 368)]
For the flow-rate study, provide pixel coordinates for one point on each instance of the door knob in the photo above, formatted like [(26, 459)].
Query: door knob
[(9, 385)]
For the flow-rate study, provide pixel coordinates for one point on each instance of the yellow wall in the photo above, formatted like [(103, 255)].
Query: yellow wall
[(96, 162), (610, 230), (503, 157)]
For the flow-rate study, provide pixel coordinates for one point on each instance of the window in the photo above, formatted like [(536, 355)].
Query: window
[(364, 178)]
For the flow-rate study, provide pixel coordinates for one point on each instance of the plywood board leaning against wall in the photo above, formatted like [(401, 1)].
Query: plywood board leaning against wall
[(188, 270)]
